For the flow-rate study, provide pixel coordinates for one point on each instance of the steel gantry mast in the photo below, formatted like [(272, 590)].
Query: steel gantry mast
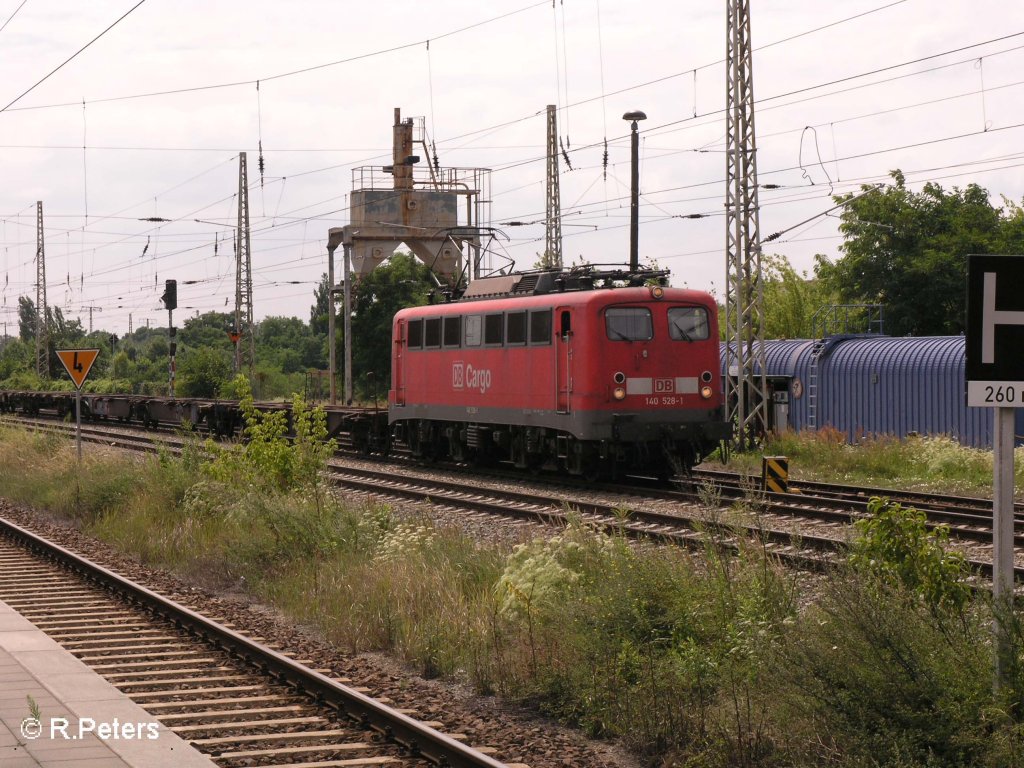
[(245, 346), (744, 301), (42, 321), (553, 220)]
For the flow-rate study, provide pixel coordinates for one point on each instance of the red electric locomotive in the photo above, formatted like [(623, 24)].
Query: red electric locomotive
[(544, 369)]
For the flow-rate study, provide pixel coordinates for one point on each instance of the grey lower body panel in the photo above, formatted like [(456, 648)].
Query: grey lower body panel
[(626, 426)]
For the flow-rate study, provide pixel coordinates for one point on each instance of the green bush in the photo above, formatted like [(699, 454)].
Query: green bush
[(267, 458), (895, 545), (644, 645), (870, 676)]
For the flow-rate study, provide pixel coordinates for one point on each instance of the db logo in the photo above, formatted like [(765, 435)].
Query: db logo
[(664, 386), (458, 375)]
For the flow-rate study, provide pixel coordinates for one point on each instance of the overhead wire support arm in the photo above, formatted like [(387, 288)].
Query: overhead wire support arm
[(781, 232)]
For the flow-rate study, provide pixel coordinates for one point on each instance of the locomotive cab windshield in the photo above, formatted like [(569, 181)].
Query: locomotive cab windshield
[(688, 323), (629, 323)]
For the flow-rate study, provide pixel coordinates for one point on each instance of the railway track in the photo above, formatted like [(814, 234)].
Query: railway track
[(240, 702), (936, 502), (686, 525)]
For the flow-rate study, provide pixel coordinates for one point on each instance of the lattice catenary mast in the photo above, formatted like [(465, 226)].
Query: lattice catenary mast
[(90, 309), (553, 219), (744, 302), (42, 321), (245, 347)]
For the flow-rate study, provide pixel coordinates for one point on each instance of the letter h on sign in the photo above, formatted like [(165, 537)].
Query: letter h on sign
[(991, 317), (995, 330)]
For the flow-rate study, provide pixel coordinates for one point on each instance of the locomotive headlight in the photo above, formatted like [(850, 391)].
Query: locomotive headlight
[(657, 292), (619, 377), (619, 393), (706, 392)]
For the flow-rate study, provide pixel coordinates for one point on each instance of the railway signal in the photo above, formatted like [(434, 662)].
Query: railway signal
[(170, 300), (995, 379), (170, 296), (78, 363)]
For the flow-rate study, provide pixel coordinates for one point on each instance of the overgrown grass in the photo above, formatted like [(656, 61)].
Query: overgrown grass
[(701, 660), (925, 463)]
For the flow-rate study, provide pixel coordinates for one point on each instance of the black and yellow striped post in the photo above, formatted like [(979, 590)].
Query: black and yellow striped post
[(775, 473)]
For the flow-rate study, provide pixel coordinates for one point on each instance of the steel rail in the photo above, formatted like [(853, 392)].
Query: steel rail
[(641, 523), (420, 740)]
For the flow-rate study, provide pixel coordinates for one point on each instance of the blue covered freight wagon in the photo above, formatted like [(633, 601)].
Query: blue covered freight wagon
[(876, 385)]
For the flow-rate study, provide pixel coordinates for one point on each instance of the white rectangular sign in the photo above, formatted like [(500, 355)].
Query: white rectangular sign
[(998, 394)]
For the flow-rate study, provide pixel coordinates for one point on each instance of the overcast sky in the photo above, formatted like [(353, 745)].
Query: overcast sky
[(933, 87)]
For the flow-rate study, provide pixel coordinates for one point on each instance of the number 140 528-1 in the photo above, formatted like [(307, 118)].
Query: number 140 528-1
[(663, 400)]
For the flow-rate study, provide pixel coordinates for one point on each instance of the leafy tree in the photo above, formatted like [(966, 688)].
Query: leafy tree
[(120, 367), (157, 348), (289, 343), (17, 356), (908, 251), (318, 312), (202, 372), (63, 333), (26, 318), (400, 282), (790, 299), (207, 330)]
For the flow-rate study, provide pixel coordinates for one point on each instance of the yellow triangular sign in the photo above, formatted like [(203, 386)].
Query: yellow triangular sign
[(77, 363)]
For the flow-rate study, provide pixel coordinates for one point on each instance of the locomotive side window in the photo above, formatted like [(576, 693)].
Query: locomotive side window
[(432, 332), (474, 330), (415, 334), (628, 323), (493, 329), (540, 327), (515, 328), (688, 323), (452, 331)]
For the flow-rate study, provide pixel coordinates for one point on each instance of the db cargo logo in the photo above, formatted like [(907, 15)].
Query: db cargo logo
[(467, 377), (664, 386)]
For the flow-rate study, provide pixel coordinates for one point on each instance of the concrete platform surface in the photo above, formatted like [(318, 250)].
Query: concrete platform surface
[(84, 721)]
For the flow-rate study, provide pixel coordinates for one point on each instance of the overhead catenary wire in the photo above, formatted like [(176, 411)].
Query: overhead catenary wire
[(71, 58), (278, 222), (322, 214), (15, 13), (294, 72)]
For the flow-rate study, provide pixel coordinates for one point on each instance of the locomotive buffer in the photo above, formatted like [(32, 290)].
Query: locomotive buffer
[(995, 379)]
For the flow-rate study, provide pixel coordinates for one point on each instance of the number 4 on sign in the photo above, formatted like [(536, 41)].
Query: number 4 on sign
[(78, 363)]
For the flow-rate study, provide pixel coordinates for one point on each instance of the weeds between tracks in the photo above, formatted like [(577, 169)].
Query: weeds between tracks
[(937, 464), (698, 660)]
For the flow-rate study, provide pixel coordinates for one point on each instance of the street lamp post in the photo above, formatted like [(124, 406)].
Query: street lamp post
[(634, 201)]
